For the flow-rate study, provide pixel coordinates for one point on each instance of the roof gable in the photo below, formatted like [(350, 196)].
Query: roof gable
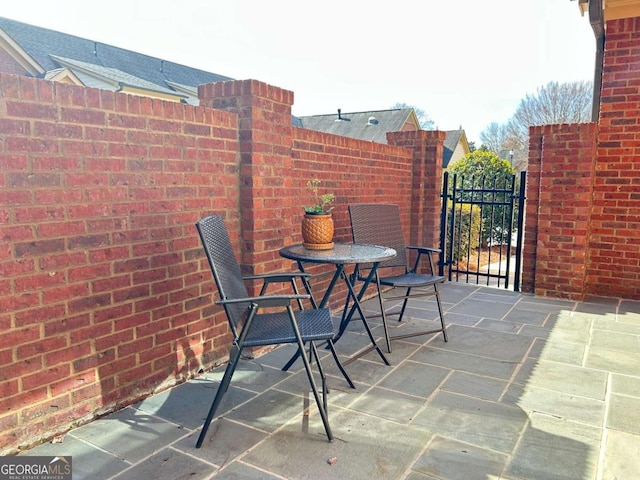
[(455, 147)]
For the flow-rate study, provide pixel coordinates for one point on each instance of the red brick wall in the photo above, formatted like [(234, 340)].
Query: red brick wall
[(355, 170), (560, 186), (583, 197), (614, 247), (105, 296)]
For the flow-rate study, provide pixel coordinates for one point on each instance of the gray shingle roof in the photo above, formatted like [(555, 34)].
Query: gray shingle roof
[(372, 126), (114, 74), (43, 45), (450, 144)]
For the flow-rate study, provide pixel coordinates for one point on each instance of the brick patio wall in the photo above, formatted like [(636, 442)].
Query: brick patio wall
[(582, 226), (560, 179), (105, 296), (614, 245)]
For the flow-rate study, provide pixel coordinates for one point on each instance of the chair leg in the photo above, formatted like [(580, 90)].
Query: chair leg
[(224, 385), (307, 366), (325, 388), (404, 304), (313, 352), (444, 328), (319, 402), (383, 315)]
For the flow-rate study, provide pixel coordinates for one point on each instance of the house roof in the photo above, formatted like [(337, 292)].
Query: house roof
[(372, 126), (453, 138), (49, 50)]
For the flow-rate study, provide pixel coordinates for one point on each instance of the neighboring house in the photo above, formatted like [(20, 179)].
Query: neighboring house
[(456, 146), (42, 53), (374, 126)]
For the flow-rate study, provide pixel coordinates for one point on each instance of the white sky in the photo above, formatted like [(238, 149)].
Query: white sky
[(465, 62)]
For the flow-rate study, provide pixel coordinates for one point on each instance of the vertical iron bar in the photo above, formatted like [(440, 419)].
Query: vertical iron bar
[(458, 236), (453, 222), (481, 233), (445, 253), (510, 228), (491, 199), (521, 199)]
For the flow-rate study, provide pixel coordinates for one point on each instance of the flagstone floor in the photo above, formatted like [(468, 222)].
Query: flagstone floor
[(526, 388)]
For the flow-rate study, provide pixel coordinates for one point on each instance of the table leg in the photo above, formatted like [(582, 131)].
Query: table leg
[(346, 318), (356, 306)]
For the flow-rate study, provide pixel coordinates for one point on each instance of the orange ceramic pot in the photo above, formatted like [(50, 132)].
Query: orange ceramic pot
[(317, 231)]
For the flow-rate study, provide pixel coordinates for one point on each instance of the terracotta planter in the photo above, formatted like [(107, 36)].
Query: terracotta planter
[(317, 231)]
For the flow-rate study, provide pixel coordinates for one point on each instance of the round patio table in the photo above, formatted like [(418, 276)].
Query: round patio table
[(340, 255)]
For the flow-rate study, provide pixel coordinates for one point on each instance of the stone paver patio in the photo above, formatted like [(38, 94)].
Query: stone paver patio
[(526, 388)]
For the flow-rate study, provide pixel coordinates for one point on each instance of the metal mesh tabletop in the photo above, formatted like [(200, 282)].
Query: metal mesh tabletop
[(341, 253)]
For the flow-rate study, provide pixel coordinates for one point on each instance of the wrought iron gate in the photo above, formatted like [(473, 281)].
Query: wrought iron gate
[(480, 218)]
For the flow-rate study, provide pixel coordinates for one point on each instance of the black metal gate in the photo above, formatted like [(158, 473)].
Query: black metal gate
[(481, 229)]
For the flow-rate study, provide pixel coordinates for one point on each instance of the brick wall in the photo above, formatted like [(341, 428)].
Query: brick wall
[(583, 197), (105, 296), (614, 246), (560, 186)]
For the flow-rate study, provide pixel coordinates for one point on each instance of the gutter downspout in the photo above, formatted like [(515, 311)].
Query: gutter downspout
[(596, 18)]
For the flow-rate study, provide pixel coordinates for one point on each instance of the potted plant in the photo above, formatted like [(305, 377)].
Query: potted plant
[(317, 224)]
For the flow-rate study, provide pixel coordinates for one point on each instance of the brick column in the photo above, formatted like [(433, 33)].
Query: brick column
[(559, 199), (264, 118), (426, 186), (531, 207)]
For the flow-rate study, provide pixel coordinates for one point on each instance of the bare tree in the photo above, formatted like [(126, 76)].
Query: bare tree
[(554, 103), (494, 137), (423, 119)]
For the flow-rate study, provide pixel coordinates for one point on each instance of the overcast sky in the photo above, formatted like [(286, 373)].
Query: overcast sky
[(464, 62)]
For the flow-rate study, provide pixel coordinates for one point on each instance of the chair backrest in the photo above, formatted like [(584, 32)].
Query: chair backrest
[(379, 224), (224, 265)]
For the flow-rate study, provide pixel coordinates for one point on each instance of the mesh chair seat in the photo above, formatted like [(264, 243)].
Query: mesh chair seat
[(275, 328), (411, 280)]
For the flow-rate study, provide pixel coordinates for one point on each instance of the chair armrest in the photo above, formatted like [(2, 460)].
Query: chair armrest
[(423, 249), (277, 277), (264, 300)]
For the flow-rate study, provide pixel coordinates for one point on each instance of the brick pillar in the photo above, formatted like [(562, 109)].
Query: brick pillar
[(264, 119), (532, 204), (426, 187), (558, 209)]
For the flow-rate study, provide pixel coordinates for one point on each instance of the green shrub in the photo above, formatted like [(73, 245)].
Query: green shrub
[(466, 229)]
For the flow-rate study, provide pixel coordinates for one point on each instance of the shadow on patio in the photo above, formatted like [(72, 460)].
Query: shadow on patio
[(526, 388)]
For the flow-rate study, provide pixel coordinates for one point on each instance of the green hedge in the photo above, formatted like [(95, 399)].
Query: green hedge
[(466, 229)]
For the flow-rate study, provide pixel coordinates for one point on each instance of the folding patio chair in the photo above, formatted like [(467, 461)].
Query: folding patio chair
[(252, 328), (379, 224)]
